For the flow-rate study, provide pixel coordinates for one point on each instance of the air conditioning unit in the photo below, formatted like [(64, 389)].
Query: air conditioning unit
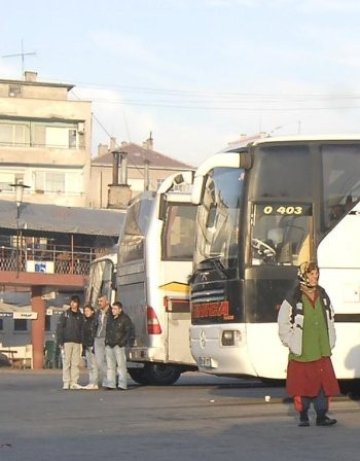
[(81, 127)]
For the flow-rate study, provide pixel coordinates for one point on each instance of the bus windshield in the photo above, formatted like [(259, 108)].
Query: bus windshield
[(281, 233), (218, 217), (179, 232), (281, 225), (136, 224)]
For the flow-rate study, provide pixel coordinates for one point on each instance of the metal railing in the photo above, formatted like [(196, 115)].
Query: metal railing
[(56, 259), (79, 145)]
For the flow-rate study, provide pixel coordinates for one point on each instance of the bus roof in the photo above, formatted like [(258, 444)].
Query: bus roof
[(261, 139)]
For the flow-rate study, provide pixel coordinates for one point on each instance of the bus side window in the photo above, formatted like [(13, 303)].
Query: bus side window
[(336, 213), (339, 210)]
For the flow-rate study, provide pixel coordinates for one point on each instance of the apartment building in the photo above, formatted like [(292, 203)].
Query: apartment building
[(45, 142)]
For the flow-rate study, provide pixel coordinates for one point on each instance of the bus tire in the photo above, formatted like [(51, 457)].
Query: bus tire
[(350, 387), (159, 374), (138, 375)]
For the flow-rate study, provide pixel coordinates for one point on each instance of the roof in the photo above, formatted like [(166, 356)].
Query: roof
[(137, 155), (36, 83), (69, 220), (261, 139), (8, 310)]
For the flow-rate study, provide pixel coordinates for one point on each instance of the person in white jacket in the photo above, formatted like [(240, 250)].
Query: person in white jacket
[(306, 327)]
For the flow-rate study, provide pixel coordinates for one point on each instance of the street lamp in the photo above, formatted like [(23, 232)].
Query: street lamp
[(19, 194)]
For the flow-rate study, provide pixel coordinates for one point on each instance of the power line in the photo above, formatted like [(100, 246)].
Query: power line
[(185, 106), (221, 94), (93, 115), (229, 101)]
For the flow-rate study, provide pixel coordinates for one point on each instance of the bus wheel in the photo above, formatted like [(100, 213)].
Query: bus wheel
[(350, 387), (138, 375), (159, 374)]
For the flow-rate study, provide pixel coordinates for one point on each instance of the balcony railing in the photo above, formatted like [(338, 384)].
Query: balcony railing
[(80, 144), (57, 260)]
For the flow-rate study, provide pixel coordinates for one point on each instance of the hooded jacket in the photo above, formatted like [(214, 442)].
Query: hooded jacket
[(291, 319)]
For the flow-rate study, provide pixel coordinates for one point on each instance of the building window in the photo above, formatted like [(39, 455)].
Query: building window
[(46, 181), (14, 91), (20, 325), (9, 178), (47, 322), (14, 134), (6, 179), (1, 324), (33, 133), (55, 182), (61, 137)]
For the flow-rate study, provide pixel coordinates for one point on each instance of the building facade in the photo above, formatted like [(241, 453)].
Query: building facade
[(140, 168), (45, 142)]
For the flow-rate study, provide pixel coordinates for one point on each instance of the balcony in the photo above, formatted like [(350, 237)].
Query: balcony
[(58, 266)]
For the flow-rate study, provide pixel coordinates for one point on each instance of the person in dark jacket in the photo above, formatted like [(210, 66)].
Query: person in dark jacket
[(119, 334), (69, 339), (89, 332)]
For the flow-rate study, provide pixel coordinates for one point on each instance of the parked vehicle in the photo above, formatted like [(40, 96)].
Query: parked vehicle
[(264, 208), (155, 254)]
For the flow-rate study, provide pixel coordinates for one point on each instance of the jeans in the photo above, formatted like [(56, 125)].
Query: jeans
[(100, 359), (116, 365), (71, 363), (320, 402), (91, 366)]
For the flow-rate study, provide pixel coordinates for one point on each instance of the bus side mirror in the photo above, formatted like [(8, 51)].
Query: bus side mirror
[(162, 207), (113, 281)]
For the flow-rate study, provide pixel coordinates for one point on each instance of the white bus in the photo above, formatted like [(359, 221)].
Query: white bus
[(263, 209), (154, 263)]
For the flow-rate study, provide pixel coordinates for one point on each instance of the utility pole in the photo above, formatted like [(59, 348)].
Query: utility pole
[(22, 54)]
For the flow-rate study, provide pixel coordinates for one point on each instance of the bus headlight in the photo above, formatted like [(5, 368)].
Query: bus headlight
[(230, 337)]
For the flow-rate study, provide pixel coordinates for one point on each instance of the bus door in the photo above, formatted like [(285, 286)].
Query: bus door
[(339, 262), (177, 309), (132, 288), (339, 252), (177, 250), (281, 238)]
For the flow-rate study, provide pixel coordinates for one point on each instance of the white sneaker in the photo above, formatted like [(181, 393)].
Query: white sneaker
[(76, 386), (91, 387), (66, 386)]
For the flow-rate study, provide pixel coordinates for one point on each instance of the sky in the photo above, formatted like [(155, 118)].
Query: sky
[(197, 74)]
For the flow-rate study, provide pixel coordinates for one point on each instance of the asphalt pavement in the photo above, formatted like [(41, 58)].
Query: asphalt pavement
[(200, 418)]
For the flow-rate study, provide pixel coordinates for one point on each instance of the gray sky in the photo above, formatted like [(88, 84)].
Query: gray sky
[(196, 73)]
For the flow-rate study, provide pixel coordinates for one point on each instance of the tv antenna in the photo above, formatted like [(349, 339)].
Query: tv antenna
[(22, 54)]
